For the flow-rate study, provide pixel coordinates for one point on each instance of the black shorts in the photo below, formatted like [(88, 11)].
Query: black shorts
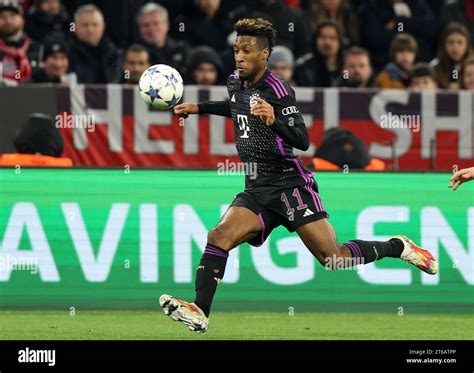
[(290, 206)]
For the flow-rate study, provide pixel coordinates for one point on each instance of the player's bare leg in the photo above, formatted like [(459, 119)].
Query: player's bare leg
[(238, 225), (320, 238)]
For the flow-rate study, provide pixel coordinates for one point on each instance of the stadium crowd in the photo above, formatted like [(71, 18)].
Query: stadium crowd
[(417, 44)]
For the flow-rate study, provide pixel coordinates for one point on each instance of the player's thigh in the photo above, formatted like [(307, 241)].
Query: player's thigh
[(319, 237), (237, 225)]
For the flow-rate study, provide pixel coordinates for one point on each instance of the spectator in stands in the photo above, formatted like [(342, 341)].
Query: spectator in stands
[(357, 71), (18, 53), (381, 20), (204, 67), (46, 19), (137, 60), (467, 74), (422, 78), (94, 58), (461, 11), (153, 26), (209, 25), (455, 47), (396, 74), (55, 65), (282, 63), (338, 11), (321, 67)]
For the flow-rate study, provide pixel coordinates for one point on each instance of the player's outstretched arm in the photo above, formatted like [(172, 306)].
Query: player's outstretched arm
[(466, 174), (221, 108)]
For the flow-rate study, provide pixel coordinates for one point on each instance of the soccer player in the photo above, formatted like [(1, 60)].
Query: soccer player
[(466, 174), (268, 125)]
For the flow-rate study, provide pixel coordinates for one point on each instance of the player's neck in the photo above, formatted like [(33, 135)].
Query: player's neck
[(251, 81)]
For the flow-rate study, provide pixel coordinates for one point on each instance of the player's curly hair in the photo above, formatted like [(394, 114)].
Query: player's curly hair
[(259, 27)]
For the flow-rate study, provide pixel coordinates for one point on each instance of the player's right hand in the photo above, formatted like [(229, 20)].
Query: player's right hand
[(460, 177), (183, 110)]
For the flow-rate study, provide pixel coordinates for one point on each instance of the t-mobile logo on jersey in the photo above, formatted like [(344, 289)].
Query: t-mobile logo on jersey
[(243, 125)]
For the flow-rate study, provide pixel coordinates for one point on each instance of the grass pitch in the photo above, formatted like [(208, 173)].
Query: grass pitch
[(154, 325)]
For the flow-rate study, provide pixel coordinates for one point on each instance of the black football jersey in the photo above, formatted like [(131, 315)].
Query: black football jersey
[(266, 151)]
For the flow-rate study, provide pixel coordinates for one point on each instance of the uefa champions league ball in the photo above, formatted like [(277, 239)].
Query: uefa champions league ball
[(161, 86)]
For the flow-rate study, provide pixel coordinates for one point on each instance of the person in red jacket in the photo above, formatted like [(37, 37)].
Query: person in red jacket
[(16, 48)]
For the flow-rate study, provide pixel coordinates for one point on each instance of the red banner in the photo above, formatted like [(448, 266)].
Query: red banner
[(111, 126)]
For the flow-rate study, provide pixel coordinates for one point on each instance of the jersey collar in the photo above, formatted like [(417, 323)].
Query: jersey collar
[(258, 82)]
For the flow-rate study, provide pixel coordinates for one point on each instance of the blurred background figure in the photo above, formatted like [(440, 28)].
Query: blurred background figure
[(381, 20), (321, 67), (357, 71), (39, 143), (338, 11), (455, 47), (209, 25), (94, 58), (467, 74), (137, 60), (47, 19), (339, 149), (396, 74), (204, 67), (422, 78), (18, 53), (461, 11), (55, 65), (153, 27), (282, 63), (292, 31)]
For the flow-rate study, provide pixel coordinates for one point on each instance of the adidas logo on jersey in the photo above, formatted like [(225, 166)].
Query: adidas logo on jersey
[(308, 212)]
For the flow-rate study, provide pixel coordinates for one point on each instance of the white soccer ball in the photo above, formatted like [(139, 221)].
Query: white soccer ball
[(161, 86)]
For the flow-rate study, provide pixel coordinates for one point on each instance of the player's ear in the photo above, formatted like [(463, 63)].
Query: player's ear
[(265, 54)]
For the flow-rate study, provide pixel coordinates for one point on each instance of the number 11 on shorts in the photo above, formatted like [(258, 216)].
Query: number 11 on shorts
[(296, 194)]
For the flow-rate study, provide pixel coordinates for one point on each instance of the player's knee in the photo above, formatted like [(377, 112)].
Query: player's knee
[(218, 236)]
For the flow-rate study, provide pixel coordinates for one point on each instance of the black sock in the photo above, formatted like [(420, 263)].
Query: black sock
[(371, 251), (208, 275)]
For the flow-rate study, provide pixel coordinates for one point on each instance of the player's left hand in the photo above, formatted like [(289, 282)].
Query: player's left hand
[(263, 110), (460, 177)]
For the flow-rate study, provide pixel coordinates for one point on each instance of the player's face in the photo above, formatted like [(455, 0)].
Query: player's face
[(250, 58)]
